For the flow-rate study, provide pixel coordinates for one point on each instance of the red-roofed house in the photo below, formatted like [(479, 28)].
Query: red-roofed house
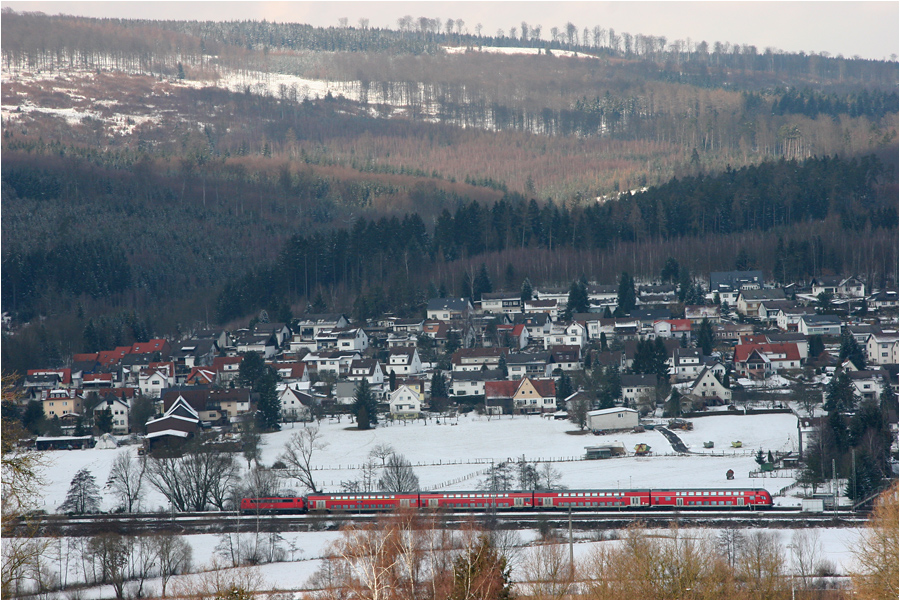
[(226, 368), (157, 345), (530, 395), (673, 328), (763, 360), (201, 376), (109, 359), (516, 334)]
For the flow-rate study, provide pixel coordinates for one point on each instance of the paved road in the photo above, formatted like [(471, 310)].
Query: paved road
[(673, 440)]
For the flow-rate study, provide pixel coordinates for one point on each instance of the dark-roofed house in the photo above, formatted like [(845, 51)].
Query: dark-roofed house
[(472, 383), (212, 405), (472, 359), (707, 386), (748, 300), (822, 325), (404, 361), (638, 389), (521, 365), (180, 423), (449, 309)]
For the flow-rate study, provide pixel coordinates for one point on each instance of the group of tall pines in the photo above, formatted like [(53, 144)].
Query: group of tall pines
[(710, 154)]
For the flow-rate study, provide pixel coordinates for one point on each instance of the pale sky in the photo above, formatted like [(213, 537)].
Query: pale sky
[(867, 29)]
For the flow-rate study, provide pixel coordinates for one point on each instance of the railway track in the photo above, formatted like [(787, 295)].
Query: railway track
[(216, 522)]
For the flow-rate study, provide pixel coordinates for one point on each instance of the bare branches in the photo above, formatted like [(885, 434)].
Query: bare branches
[(126, 479), (298, 454)]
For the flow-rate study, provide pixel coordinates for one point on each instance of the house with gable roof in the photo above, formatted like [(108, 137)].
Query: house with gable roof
[(759, 361), (707, 386), (296, 405), (881, 348), (367, 369), (449, 309), (119, 408), (534, 395), (180, 423), (404, 403), (748, 301), (404, 361)]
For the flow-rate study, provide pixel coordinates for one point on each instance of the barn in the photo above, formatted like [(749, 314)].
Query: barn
[(616, 418)]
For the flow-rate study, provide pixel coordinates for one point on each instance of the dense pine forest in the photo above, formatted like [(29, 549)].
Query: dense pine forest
[(158, 175)]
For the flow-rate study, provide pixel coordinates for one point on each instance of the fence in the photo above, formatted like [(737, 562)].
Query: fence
[(772, 474)]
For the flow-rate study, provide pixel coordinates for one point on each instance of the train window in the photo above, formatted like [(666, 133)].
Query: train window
[(668, 498)]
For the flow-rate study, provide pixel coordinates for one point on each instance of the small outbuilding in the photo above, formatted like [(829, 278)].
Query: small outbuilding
[(615, 418)]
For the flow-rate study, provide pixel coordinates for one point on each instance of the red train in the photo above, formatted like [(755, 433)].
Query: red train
[(735, 498)]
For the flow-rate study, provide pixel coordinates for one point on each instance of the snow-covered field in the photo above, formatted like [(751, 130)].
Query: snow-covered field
[(305, 551), (455, 449), (468, 445)]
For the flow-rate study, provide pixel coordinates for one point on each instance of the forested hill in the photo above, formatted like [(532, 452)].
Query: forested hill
[(149, 165), (838, 199)]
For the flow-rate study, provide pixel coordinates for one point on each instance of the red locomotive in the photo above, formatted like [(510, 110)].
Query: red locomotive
[(474, 501)]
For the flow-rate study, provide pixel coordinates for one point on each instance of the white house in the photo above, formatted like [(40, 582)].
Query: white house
[(616, 418), (119, 410), (404, 361), (295, 405), (404, 403), (823, 325), (366, 369), (571, 334), (708, 386), (637, 388), (881, 348)]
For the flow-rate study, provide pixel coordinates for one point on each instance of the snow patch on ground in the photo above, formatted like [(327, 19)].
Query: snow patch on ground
[(510, 50)]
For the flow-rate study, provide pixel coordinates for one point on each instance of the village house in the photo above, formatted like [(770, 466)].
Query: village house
[(368, 370), (637, 389), (155, 378), (226, 368), (760, 361), (788, 317), (201, 376), (280, 331), (769, 309), (748, 300), (707, 386), (457, 310), (838, 287), (883, 300), (822, 325), (537, 324), (472, 383), (119, 409), (673, 328), (295, 405), (697, 313), (881, 348), (526, 396), (730, 283), (613, 419), (336, 363), (63, 401), (472, 359), (549, 307), (566, 334), (194, 353), (404, 361), (521, 365), (501, 303), (516, 336), (565, 357), (248, 342), (868, 383), (404, 403), (180, 423)]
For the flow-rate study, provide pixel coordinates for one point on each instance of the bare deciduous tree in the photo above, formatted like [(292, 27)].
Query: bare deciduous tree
[(298, 454), (126, 479), (173, 554), (201, 477), (398, 475)]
